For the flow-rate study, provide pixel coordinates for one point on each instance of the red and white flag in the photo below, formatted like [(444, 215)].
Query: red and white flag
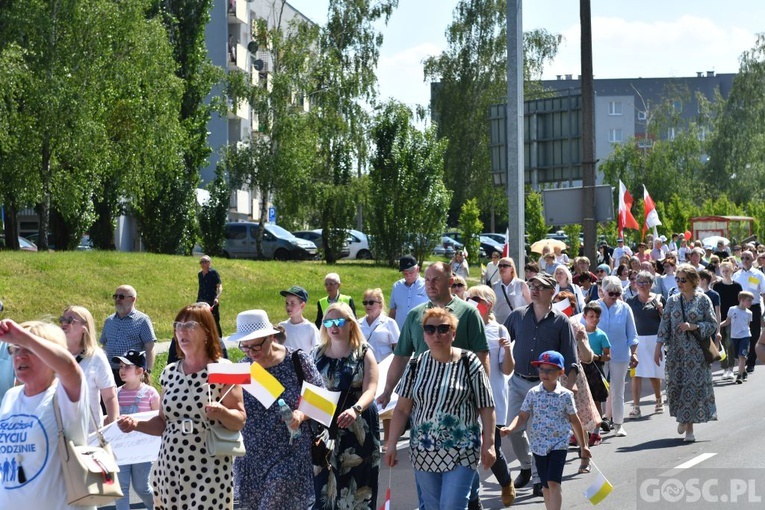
[(564, 307), (386, 504), (625, 218), (649, 208), (228, 373), (506, 249)]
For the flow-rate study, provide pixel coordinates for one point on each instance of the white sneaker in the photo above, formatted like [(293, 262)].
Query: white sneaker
[(689, 437), (728, 375), (619, 431)]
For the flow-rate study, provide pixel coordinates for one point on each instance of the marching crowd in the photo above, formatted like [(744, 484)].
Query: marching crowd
[(541, 360)]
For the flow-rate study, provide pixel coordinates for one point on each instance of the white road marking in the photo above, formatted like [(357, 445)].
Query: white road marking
[(696, 460)]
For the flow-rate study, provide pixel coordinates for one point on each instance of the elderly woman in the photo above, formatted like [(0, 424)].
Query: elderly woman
[(491, 273), (443, 392), (380, 331), (459, 265), (647, 308), (46, 369), (82, 342), (618, 323), (501, 364), (459, 287), (347, 364), (190, 405), (631, 290), (690, 391), (563, 277), (276, 471)]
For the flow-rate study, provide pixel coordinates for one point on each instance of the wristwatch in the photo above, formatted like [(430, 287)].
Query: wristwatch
[(357, 408)]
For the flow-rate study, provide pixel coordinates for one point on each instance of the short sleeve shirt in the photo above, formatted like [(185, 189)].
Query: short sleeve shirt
[(752, 280), (381, 335), (549, 428), (302, 336), (404, 297), (739, 322), (98, 376), (598, 341), (120, 334), (208, 284)]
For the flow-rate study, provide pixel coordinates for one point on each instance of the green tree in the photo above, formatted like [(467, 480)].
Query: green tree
[(535, 219), (471, 227), (573, 231), (213, 213), (471, 75), (345, 83)]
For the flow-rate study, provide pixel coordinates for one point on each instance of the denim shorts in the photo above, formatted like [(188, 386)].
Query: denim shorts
[(740, 346), (550, 466)]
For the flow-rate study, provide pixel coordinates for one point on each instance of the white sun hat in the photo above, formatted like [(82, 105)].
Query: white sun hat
[(252, 324)]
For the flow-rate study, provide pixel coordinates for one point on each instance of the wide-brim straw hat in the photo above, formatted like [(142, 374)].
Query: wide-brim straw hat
[(252, 324)]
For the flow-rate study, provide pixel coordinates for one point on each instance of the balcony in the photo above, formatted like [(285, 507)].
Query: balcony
[(241, 110), (237, 57), (237, 11)]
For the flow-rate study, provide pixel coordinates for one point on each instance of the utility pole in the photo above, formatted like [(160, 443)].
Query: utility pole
[(516, 218), (589, 223)]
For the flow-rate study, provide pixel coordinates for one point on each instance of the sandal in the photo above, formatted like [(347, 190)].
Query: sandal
[(659, 408), (584, 469)]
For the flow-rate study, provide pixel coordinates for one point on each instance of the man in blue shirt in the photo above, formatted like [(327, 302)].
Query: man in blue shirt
[(407, 292)]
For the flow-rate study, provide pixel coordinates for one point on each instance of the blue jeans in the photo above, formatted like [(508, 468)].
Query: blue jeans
[(445, 491), (139, 473)]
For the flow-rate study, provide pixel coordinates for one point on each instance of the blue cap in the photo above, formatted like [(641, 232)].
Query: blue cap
[(549, 358)]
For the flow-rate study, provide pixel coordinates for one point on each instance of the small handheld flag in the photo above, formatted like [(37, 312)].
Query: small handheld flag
[(228, 373), (599, 489), (318, 403), (264, 386)]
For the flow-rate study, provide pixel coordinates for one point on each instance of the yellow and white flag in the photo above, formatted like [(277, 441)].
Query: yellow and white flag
[(318, 403), (599, 489), (263, 386)]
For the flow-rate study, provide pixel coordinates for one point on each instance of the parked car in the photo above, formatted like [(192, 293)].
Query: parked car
[(359, 245), (84, 244), (315, 237), (486, 247), (496, 236), (24, 244), (278, 243), (448, 247)]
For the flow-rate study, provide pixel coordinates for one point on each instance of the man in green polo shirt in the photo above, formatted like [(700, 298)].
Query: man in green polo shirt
[(470, 331)]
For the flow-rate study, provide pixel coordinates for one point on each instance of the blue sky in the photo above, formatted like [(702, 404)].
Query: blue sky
[(652, 38)]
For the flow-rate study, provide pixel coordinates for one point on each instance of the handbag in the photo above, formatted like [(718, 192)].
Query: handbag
[(90, 472), (597, 381), (708, 347), (221, 441)]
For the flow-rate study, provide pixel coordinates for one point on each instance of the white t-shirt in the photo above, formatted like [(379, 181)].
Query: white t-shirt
[(98, 376), (500, 389), (381, 335), (302, 336), (739, 322), (29, 437)]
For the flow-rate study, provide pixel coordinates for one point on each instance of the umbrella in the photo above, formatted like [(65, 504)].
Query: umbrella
[(711, 242), (551, 244)]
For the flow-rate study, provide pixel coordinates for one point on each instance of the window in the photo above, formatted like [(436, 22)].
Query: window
[(678, 106), (614, 107), (645, 143), (671, 133), (642, 115), (615, 135), (238, 232)]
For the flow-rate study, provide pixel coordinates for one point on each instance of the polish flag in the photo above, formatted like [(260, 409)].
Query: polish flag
[(625, 219), (506, 249), (228, 373), (386, 504), (651, 216), (564, 307)]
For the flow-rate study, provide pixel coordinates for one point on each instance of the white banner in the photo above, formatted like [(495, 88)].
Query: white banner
[(132, 448)]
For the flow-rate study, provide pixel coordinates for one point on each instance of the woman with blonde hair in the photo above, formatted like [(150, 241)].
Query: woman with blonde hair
[(82, 342), (50, 376), (347, 364), (380, 331)]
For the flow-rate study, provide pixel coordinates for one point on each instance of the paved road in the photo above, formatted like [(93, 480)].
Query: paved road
[(652, 442)]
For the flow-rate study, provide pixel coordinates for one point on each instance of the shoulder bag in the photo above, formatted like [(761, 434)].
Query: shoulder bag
[(90, 472), (708, 347), (221, 441)]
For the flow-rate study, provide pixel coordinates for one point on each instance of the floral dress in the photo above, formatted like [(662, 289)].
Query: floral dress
[(689, 378), (276, 473), (355, 460)]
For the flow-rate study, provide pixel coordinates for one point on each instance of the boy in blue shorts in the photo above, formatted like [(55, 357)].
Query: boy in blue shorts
[(739, 318), (553, 414)]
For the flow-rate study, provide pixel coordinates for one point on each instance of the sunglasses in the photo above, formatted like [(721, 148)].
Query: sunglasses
[(457, 285), (442, 329), (121, 296), (614, 294), (504, 266), (536, 288), (334, 322), (643, 283), (68, 320), (369, 303), (681, 280), (188, 325), (252, 347), (476, 299)]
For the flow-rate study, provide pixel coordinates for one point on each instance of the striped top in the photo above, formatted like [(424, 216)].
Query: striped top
[(445, 430)]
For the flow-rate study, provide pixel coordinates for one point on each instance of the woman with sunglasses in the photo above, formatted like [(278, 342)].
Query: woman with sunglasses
[(459, 287), (442, 393), (690, 391), (618, 323), (647, 308), (347, 364), (276, 470), (189, 406), (82, 341)]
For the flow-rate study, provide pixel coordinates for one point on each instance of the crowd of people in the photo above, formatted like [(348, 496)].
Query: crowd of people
[(532, 359)]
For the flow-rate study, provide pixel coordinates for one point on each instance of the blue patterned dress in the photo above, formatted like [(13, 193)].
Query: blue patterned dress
[(355, 460), (689, 379), (275, 474)]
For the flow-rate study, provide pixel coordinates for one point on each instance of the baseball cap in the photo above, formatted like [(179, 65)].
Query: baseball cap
[(546, 280), (406, 262), (549, 358), (296, 291), (132, 357)]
